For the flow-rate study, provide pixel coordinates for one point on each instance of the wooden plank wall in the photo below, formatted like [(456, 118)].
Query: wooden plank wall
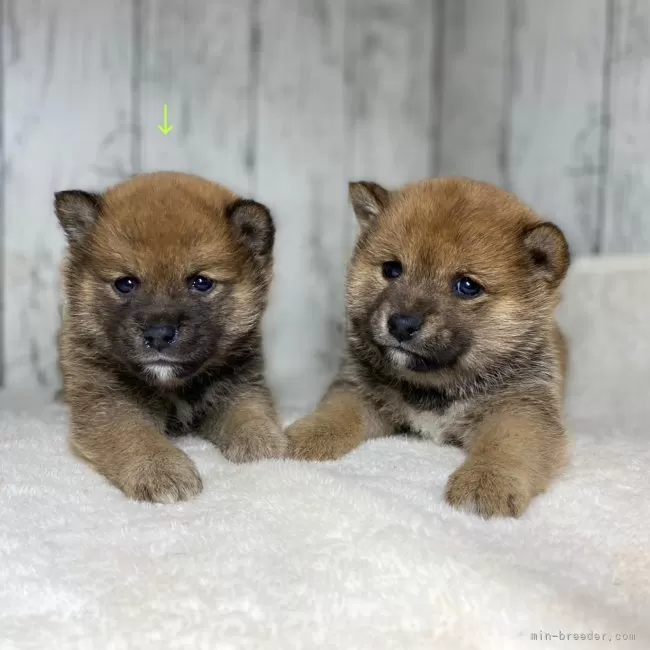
[(67, 116), (287, 100)]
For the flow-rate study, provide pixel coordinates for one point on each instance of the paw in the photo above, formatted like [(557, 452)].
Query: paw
[(165, 477), (256, 440), (313, 439), (487, 491)]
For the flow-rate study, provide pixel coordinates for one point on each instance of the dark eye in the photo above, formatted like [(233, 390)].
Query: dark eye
[(465, 287), (126, 284), (391, 270), (201, 284)]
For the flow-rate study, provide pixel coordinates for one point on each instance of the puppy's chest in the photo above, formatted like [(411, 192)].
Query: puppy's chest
[(188, 416), (440, 428), (182, 417)]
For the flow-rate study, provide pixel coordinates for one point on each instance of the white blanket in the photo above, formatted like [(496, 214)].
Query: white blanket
[(361, 553)]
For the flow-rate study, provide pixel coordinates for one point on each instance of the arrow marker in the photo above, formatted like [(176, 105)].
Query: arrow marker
[(165, 128)]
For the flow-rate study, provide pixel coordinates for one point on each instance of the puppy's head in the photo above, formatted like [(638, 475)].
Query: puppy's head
[(167, 274), (450, 277)]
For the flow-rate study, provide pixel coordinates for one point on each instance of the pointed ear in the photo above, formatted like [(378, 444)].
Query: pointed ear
[(368, 201), (253, 226), (77, 213), (549, 251)]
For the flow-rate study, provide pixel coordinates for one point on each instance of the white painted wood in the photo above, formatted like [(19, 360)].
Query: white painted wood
[(67, 69), (302, 175), (557, 87), (196, 57), (391, 68), (627, 200), (2, 203), (473, 94)]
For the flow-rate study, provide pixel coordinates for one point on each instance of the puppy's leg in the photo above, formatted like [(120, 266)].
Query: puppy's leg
[(341, 422), (123, 444), (249, 429), (516, 451)]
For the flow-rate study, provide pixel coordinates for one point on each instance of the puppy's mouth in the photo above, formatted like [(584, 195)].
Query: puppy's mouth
[(161, 371), (406, 359), (164, 369)]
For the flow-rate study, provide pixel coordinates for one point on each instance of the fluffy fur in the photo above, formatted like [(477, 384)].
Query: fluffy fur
[(483, 371), (165, 281)]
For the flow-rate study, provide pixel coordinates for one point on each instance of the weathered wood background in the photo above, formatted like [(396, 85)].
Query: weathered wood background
[(287, 100)]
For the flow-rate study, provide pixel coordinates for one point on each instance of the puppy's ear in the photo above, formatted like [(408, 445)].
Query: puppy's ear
[(253, 226), (368, 201), (77, 213), (549, 251)]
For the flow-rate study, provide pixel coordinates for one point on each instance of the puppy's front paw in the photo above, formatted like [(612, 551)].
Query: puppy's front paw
[(165, 477), (487, 491), (314, 439), (254, 440)]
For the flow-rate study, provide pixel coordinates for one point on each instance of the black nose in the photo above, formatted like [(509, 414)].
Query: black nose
[(404, 326), (159, 336)]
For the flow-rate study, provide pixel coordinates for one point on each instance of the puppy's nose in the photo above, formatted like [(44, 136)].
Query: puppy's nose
[(404, 326), (159, 337)]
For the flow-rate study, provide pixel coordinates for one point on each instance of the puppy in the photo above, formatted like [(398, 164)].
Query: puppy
[(451, 335), (165, 283)]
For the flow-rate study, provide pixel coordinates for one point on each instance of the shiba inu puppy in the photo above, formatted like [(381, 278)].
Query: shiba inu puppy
[(165, 284), (451, 335)]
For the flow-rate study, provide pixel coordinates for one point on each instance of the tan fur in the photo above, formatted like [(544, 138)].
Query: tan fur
[(513, 453), (336, 428), (248, 433), (488, 372), (123, 445), (164, 229)]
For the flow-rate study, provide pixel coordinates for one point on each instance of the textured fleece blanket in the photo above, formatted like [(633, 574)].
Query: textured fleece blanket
[(361, 553)]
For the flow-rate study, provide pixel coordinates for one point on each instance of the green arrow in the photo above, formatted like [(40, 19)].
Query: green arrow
[(165, 128)]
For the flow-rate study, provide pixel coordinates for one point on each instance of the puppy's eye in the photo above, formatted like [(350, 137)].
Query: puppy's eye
[(391, 270), (201, 284), (126, 284), (465, 287)]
